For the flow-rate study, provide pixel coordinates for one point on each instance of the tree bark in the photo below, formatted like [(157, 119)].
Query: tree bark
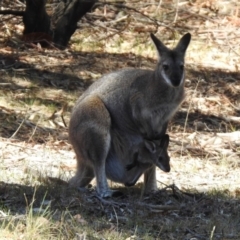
[(63, 23), (66, 17)]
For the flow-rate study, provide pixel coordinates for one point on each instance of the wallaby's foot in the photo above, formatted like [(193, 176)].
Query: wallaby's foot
[(77, 182), (147, 191), (110, 193), (83, 176), (150, 182), (150, 187), (109, 201), (131, 183)]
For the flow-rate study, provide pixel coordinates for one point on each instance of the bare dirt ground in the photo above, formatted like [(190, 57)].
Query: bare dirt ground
[(198, 199)]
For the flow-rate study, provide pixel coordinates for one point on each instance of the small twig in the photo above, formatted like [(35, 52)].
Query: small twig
[(3, 214), (227, 40), (109, 202), (118, 32), (199, 15), (63, 109), (167, 186), (58, 114), (34, 131), (212, 232), (144, 15), (5, 84), (22, 4), (176, 15), (116, 216), (150, 206), (119, 19), (195, 234), (159, 5), (188, 112), (65, 125), (230, 118), (231, 236), (159, 207), (15, 133), (16, 145)]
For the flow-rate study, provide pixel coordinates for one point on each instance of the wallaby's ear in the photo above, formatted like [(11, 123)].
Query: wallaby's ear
[(183, 43), (165, 141), (159, 45), (150, 146)]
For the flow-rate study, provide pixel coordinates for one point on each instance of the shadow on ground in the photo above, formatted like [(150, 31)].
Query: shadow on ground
[(85, 67), (168, 213)]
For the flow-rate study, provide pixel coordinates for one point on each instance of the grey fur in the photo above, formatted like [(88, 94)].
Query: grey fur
[(119, 111)]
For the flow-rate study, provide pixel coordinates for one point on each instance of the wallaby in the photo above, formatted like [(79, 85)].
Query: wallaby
[(120, 111), (147, 153), (154, 152)]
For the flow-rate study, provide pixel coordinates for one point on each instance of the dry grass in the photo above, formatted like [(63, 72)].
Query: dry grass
[(199, 198)]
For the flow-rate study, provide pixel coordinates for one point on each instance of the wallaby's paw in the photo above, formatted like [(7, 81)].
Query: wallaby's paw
[(107, 194), (130, 183)]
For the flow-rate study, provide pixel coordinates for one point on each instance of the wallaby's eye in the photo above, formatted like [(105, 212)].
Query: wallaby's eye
[(181, 66), (165, 67)]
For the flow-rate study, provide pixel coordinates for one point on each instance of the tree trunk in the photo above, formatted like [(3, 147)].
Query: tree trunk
[(35, 17), (61, 26)]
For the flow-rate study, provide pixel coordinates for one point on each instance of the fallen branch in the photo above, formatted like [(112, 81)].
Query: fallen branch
[(158, 207), (199, 236), (12, 12)]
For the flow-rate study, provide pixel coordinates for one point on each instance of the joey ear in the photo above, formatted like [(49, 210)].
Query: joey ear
[(151, 147), (183, 43), (158, 44)]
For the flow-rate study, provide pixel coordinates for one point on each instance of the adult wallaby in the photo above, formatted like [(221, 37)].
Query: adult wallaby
[(121, 110), (154, 152)]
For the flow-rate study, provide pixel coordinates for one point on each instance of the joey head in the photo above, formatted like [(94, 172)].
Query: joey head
[(154, 152)]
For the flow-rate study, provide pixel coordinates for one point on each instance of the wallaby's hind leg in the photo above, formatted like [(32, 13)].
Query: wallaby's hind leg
[(150, 182), (98, 154), (89, 133)]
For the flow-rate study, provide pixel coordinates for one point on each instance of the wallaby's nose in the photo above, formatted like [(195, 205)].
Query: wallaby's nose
[(164, 168), (176, 82), (167, 169)]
